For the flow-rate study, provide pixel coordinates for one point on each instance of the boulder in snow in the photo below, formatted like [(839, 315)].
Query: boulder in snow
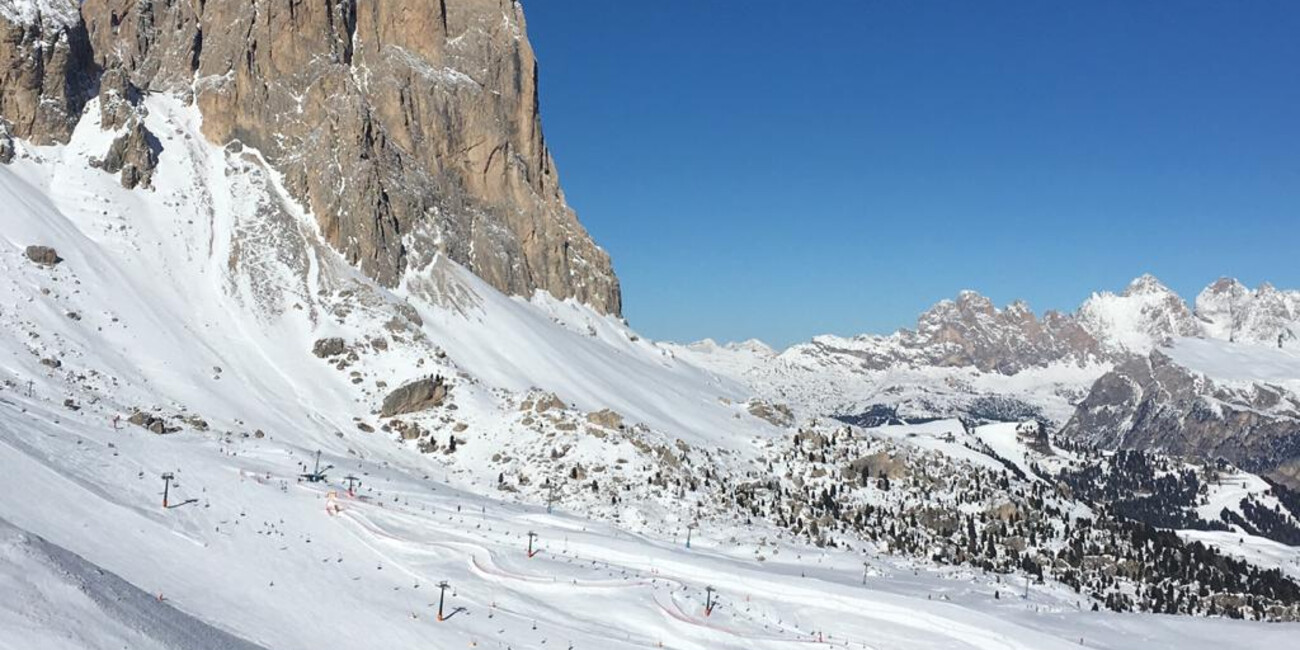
[(331, 347), (606, 418), (43, 255), (419, 395)]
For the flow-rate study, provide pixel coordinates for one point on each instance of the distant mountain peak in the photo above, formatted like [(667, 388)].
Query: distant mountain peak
[(1146, 284)]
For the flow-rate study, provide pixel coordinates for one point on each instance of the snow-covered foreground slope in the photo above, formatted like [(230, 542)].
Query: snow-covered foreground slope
[(64, 601)]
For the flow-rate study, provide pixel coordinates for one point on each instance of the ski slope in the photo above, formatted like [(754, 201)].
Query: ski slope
[(258, 557)]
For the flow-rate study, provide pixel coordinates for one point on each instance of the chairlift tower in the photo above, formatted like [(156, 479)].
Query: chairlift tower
[(689, 529), (167, 478), (353, 482), (317, 475), (709, 601), (531, 536), (442, 597)]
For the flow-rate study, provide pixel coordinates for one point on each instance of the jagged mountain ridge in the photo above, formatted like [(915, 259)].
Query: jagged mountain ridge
[(409, 128), (971, 332), (1104, 373)]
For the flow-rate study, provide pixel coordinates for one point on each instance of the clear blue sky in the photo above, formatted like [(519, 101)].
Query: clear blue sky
[(779, 170)]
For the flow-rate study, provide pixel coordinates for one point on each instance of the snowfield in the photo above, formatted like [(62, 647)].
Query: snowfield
[(1240, 363), (198, 303)]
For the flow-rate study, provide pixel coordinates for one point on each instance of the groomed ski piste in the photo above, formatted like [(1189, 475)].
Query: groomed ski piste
[(202, 297)]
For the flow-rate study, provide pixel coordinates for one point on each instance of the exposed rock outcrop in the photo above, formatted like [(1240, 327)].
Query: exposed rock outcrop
[(119, 100), (329, 347), (419, 395), (152, 423), (1232, 312), (7, 149), (606, 418), (778, 415), (970, 332), (135, 155)]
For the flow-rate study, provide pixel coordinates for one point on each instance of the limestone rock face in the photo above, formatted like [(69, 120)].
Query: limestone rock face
[(410, 128), (969, 332), (46, 68), (1146, 314), (119, 100), (330, 347)]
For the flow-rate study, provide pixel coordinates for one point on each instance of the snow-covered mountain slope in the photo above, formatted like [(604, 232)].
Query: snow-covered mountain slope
[(1144, 315), (251, 286), (70, 603), (1242, 363)]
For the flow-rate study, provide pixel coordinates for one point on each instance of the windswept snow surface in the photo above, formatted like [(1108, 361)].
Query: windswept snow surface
[(201, 299), (1239, 362)]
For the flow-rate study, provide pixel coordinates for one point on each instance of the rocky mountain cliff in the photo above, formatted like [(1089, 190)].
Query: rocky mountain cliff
[(970, 332), (1156, 403), (1145, 314), (408, 128)]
